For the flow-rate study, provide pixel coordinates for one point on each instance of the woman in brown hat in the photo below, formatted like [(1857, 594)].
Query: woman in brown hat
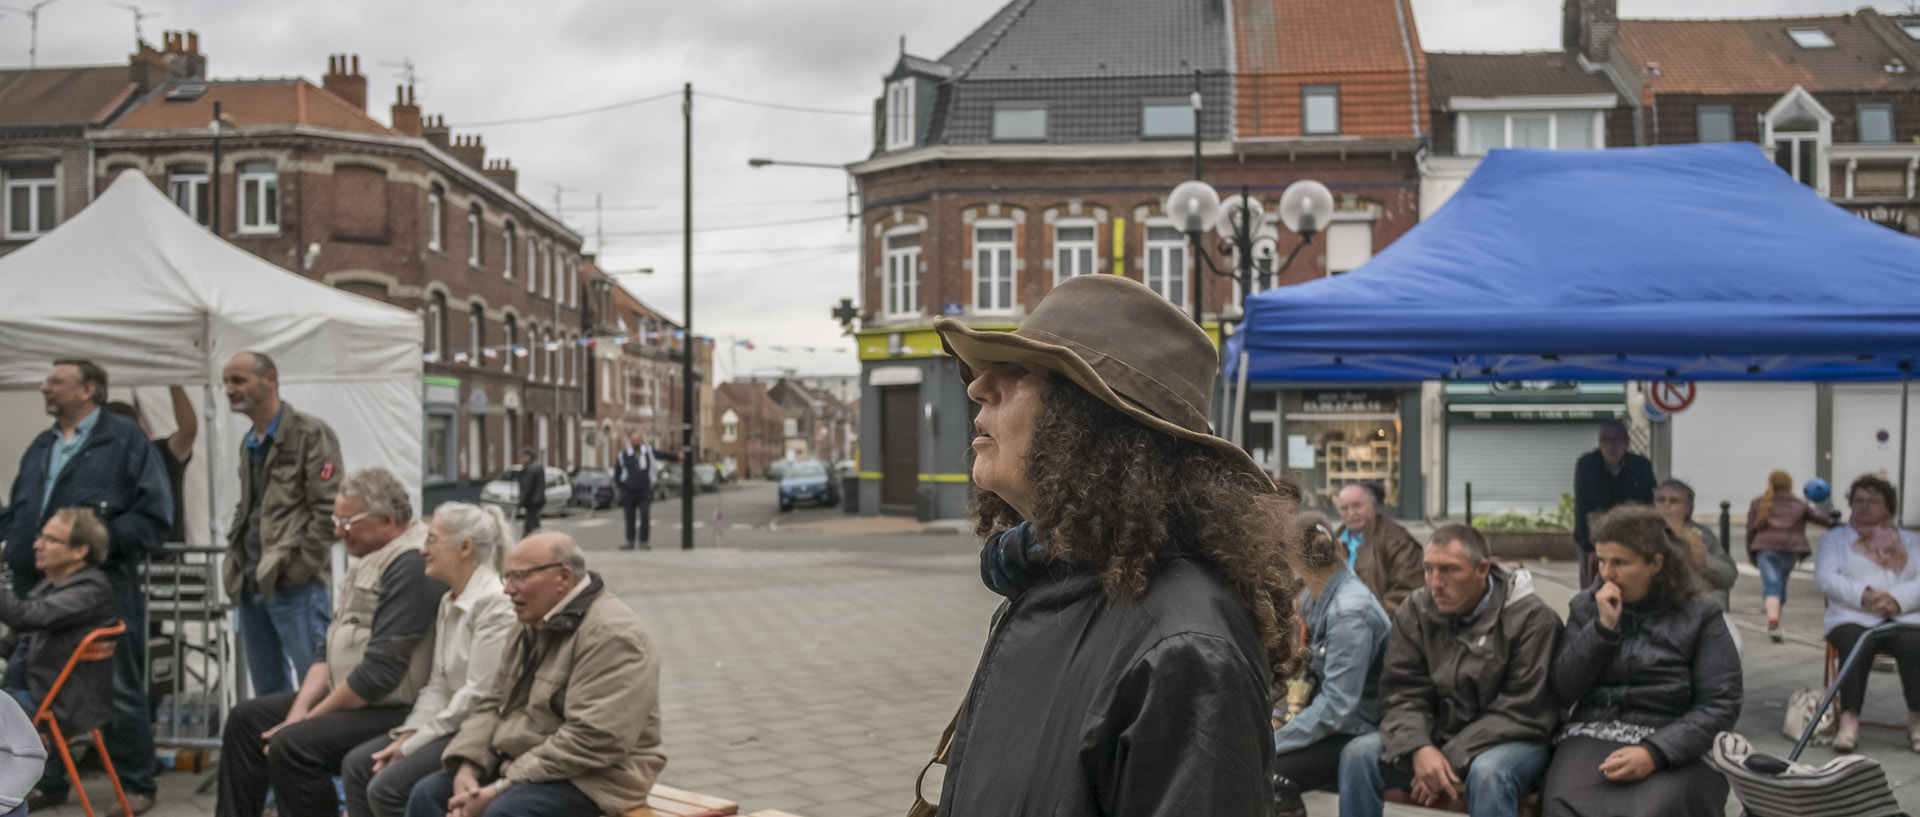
[(1148, 611)]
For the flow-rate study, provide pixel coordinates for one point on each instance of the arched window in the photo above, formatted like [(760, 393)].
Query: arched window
[(474, 220), (436, 212)]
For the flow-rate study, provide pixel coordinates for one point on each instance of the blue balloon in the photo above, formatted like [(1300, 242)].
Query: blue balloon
[(1817, 490)]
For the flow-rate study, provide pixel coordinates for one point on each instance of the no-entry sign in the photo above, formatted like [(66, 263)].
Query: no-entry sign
[(1671, 396)]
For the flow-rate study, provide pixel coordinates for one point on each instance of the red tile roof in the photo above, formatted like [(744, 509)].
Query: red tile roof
[(1755, 56), (62, 97), (253, 102), (1280, 45)]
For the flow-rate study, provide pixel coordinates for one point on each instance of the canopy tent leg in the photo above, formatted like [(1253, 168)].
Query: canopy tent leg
[(1906, 380), (1240, 404)]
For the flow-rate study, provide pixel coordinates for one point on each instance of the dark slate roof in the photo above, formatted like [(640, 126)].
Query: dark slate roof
[(1531, 73), (62, 97), (1084, 39)]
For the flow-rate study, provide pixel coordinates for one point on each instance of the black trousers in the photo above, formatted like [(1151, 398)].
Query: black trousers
[(531, 521), (1903, 645), (632, 503), (1315, 767), (301, 761)]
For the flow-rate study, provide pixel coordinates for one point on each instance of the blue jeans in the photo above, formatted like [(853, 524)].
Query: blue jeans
[(553, 798), (283, 635), (1496, 780), (129, 735), (1775, 566)]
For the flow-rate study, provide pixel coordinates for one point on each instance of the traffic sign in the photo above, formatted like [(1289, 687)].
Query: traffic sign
[(1671, 396)]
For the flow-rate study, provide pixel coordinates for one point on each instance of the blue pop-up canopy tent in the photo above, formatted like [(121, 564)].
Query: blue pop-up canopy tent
[(1693, 262)]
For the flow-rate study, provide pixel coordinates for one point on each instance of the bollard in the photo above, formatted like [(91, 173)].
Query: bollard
[(1726, 525), (1469, 503)]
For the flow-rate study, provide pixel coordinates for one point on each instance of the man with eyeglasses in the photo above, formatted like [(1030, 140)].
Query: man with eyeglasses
[(377, 655), (571, 725), (280, 543)]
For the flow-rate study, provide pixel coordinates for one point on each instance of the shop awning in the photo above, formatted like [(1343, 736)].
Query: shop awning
[(1691, 262)]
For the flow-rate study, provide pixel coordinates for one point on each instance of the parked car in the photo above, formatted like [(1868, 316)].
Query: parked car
[(505, 492), (808, 481), (846, 468), (778, 469), (593, 487), (706, 477)]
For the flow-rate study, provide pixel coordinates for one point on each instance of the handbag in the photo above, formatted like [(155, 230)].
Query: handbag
[(920, 807), (1800, 707)]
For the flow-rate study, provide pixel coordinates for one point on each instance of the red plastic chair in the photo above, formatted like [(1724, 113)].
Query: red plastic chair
[(97, 646)]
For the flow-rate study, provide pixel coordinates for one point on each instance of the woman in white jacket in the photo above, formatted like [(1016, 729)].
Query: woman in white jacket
[(463, 548), (1869, 571)]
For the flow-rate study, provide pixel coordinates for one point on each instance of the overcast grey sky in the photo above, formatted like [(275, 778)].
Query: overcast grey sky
[(486, 60)]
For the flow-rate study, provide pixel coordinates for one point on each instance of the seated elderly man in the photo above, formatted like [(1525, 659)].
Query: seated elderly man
[(571, 724), (1464, 689), (48, 625), (376, 658), (1379, 551)]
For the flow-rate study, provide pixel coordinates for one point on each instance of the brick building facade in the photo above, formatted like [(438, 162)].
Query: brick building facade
[(409, 214)]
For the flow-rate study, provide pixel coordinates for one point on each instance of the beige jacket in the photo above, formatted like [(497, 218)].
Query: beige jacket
[(353, 612), (577, 698)]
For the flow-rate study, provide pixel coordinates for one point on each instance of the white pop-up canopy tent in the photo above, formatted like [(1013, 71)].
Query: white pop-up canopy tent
[(135, 285)]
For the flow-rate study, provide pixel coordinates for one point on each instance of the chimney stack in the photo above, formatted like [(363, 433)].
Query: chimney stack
[(344, 80), (470, 151), (1588, 28), (406, 112), (179, 57), (436, 132), (501, 172)]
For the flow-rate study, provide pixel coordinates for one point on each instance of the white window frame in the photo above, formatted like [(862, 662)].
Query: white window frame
[(1463, 128), (265, 187), (1821, 136), (1346, 218), (476, 220), (436, 219), (186, 189), (900, 114), (507, 232), (1000, 254), (1308, 92), (509, 328), (1185, 108), (900, 273), (1860, 119), (476, 316), (38, 223), (1700, 119), (730, 427), (533, 264), (1175, 290), (1019, 107), (1066, 252), (437, 326), (546, 284)]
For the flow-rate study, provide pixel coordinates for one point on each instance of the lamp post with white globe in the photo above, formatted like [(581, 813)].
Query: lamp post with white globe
[(1305, 208)]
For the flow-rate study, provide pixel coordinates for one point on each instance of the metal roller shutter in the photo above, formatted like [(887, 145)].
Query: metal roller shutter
[(1513, 466)]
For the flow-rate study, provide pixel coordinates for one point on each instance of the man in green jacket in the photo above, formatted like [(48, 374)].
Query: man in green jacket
[(279, 545)]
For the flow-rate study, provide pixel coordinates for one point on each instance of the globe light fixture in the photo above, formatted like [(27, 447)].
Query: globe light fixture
[(1194, 207), (1306, 207)]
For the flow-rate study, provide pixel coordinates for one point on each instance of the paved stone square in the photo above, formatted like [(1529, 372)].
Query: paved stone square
[(812, 672)]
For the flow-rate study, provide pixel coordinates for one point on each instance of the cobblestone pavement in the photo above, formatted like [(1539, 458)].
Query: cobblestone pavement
[(812, 673)]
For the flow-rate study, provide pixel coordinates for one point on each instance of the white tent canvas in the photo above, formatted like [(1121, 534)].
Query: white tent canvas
[(135, 285)]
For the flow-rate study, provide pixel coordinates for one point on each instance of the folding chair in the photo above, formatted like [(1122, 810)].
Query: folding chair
[(97, 646), (1831, 672)]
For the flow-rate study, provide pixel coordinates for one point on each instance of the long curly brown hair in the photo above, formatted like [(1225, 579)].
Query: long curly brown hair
[(1113, 497)]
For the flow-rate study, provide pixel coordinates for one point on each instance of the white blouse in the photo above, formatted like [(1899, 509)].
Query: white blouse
[(1844, 574), (470, 636)]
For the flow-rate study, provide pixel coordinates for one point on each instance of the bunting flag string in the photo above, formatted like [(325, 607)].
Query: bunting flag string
[(524, 351)]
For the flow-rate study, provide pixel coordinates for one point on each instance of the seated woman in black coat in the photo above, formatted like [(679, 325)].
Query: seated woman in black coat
[(1650, 671), (49, 624)]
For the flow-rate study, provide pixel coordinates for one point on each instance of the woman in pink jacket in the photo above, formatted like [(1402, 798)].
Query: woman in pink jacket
[(1777, 540)]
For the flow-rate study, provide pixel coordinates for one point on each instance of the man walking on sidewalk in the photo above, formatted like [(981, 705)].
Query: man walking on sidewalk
[(533, 490), (633, 475)]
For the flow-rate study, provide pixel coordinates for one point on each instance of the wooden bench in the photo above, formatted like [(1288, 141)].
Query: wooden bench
[(1529, 805), (667, 801)]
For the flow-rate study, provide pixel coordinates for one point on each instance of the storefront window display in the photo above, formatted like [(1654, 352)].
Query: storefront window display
[(1332, 438)]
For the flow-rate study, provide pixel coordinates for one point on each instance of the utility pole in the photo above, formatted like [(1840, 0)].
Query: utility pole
[(686, 370)]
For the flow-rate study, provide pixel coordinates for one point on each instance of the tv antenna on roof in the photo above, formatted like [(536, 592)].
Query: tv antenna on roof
[(138, 15), (33, 24), (406, 69)]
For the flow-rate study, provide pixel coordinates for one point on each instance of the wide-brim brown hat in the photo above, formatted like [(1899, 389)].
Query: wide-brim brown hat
[(1124, 344)]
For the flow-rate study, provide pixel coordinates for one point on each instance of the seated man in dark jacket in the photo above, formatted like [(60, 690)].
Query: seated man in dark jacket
[(1464, 690), (48, 625)]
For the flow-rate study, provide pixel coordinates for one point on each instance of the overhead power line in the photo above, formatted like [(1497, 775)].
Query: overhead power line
[(569, 114), (726, 228), (781, 107)]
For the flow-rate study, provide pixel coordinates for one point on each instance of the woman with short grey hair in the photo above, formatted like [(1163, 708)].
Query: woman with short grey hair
[(463, 549)]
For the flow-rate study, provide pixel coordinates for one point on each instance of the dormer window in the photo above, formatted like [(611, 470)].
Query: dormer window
[(1912, 29), (1810, 38), (900, 114)]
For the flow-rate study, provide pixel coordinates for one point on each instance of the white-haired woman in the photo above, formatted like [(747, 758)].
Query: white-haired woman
[(463, 548)]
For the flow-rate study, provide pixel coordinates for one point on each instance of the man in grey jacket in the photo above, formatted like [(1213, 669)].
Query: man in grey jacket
[(1464, 690), (376, 657)]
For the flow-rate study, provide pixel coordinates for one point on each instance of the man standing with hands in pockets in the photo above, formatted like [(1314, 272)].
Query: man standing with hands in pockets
[(633, 475)]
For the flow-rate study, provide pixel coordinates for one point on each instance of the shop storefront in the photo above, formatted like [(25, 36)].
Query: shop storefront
[(1325, 439), (1516, 442)]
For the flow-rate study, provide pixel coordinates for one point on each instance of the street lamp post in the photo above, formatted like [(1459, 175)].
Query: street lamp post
[(1305, 208)]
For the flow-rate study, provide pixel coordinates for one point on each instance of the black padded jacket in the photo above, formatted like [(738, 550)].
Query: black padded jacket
[(1669, 667)]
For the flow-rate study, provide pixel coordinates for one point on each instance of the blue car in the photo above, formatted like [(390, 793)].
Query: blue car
[(809, 482)]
